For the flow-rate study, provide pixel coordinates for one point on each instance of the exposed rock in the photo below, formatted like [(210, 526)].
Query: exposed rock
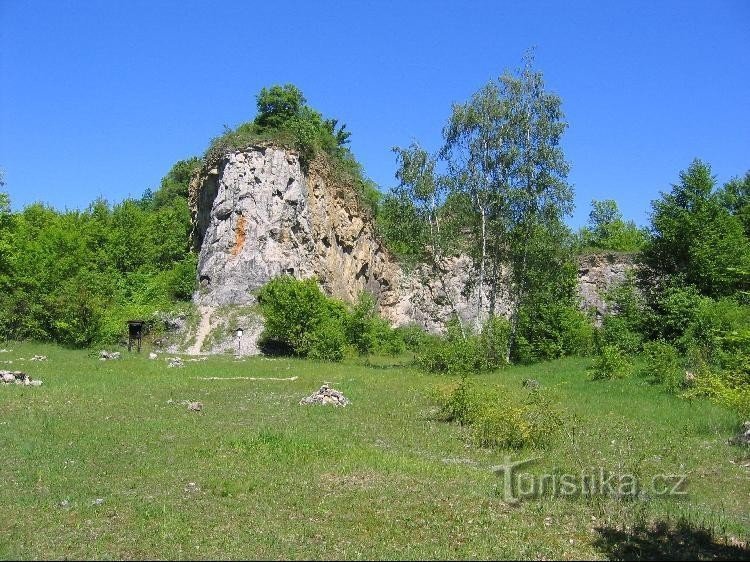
[(38, 358), (326, 395), (598, 273), (153, 355), (174, 362), (195, 407), (105, 355), (18, 377), (743, 437), (257, 215)]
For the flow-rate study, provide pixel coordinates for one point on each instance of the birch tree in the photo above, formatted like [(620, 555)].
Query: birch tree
[(503, 150)]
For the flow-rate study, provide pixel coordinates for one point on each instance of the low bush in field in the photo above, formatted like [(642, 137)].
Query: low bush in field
[(301, 319), (610, 363), (663, 366), (462, 351), (497, 419)]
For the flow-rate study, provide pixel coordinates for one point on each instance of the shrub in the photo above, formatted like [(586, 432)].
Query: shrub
[(302, 320), (459, 352), (293, 310), (552, 330), (497, 419), (327, 341), (610, 363), (414, 337), (663, 366)]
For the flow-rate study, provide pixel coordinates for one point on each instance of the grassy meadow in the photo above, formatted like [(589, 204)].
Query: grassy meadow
[(105, 461)]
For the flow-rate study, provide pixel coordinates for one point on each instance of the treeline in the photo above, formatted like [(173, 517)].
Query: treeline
[(75, 277), (688, 308)]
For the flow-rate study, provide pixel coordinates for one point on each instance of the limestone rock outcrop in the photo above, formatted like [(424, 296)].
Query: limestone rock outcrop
[(597, 273), (258, 215)]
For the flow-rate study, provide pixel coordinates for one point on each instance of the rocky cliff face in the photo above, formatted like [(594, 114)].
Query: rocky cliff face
[(596, 274), (256, 215)]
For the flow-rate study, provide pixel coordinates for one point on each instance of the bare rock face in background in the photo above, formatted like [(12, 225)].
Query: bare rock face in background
[(597, 273), (257, 215)]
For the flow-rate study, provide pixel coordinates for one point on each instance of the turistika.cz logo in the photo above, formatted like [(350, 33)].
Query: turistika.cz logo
[(519, 485)]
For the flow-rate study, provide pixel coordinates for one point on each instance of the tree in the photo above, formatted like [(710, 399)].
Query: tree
[(421, 189), (279, 104), (695, 239), (608, 231), (503, 151), (735, 198)]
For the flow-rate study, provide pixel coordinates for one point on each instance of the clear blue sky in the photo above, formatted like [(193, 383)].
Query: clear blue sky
[(100, 98)]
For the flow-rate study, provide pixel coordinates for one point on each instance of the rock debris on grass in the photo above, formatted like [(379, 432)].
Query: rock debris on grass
[(105, 355), (326, 395), (18, 377)]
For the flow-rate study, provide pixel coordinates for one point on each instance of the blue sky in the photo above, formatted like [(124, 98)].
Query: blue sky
[(100, 98)]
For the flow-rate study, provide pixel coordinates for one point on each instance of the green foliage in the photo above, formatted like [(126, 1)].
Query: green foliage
[(607, 230), (326, 341), (293, 310), (624, 324), (610, 363), (284, 119), (663, 366), (550, 323), (461, 353), (497, 419), (369, 333), (735, 198), (695, 238), (415, 338), (66, 276), (300, 319)]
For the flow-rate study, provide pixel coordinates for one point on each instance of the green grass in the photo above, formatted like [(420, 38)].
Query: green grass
[(381, 478)]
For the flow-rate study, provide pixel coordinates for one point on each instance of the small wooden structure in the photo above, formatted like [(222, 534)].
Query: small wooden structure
[(135, 333)]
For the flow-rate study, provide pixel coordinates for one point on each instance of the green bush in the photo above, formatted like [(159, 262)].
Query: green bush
[(550, 330), (497, 419), (662, 366), (301, 320), (610, 363), (461, 351), (327, 341), (415, 338), (293, 310)]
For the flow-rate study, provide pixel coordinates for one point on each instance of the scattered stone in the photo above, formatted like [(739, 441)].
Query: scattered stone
[(38, 358), (195, 406), (743, 437), (153, 355), (175, 362), (105, 355), (18, 377), (531, 384), (65, 504), (326, 395), (5, 350), (192, 487), (98, 501)]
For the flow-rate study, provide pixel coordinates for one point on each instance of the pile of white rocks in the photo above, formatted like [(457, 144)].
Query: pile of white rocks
[(326, 395), (175, 362), (105, 355), (17, 377)]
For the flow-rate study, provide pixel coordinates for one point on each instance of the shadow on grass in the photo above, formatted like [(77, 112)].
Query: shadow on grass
[(662, 541)]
